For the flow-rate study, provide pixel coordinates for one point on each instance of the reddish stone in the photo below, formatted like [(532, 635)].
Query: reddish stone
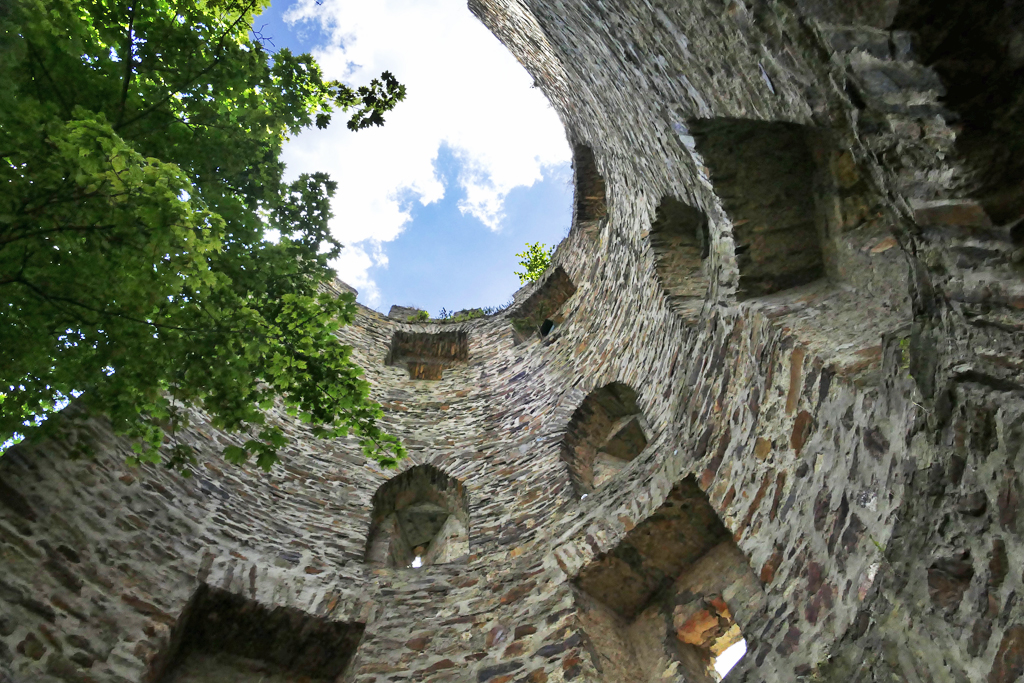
[(948, 579), (762, 448), (801, 431), (147, 608), (789, 642), (729, 497), (771, 566), (502, 679), (496, 636), (796, 363), (815, 577), (517, 593), (780, 488), (418, 644), (514, 649), (1008, 665), (525, 630), (571, 661), (537, 676), (720, 607), (437, 666), (755, 504), (694, 629), (960, 212)]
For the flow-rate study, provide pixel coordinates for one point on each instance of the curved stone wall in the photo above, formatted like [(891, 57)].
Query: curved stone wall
[(858, 430)]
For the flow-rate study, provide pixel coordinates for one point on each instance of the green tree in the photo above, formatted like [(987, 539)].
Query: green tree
[(535, 260), (140, 146)]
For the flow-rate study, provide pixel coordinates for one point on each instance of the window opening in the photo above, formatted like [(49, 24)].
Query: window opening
[(420, 518), (726, 659), (604, 434), (681, 242), (674, 568), (543, 309), (591, 200), (428, 354), (763, 173), (222, 636)]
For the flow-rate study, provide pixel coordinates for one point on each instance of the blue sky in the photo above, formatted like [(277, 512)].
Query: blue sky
[(433, 206)]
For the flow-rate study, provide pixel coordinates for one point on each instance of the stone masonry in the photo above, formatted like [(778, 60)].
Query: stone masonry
[(797, 246)]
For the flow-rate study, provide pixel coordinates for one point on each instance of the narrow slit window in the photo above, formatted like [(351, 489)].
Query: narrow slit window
[(591, 192)]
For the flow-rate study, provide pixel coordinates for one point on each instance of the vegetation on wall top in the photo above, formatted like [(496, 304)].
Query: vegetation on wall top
[(535, 260)]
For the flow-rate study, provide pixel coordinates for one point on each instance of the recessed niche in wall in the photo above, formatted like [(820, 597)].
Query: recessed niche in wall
[(763, 172), (541, 312), (668, 595), (976, 50), (605, 433), (591, 203), (428, 354), (681, 241), (420, 517), (226, 638)]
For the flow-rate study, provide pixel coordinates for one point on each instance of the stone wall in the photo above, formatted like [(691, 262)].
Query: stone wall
[(858, 434)]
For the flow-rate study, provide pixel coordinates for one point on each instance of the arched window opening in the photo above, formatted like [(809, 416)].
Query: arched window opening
[(764, 173), (605, 433), (591, 203), (681, 242), (678, 568), (420, 517), (426, 354), (222, 636), (543, 310)]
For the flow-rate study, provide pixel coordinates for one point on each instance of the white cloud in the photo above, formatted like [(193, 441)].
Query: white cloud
[(464, 89)]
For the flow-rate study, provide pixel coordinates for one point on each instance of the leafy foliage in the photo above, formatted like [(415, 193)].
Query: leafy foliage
[(140, 146), (535, 260), (419, 317)]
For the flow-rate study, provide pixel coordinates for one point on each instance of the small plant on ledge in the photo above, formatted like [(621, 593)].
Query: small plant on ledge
[(535, 260), (419, 317), (470, 313)]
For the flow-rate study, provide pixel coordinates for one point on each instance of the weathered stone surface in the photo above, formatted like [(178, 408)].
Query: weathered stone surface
[(829, 351)]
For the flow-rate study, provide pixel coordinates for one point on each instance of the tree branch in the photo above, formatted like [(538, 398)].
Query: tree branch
[(129, 63), (99, 311), (191, 79)]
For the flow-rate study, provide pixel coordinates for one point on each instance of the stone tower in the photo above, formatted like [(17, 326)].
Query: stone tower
[(771, 389)]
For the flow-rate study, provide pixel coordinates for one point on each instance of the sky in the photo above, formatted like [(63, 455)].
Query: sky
[(433, 206)]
